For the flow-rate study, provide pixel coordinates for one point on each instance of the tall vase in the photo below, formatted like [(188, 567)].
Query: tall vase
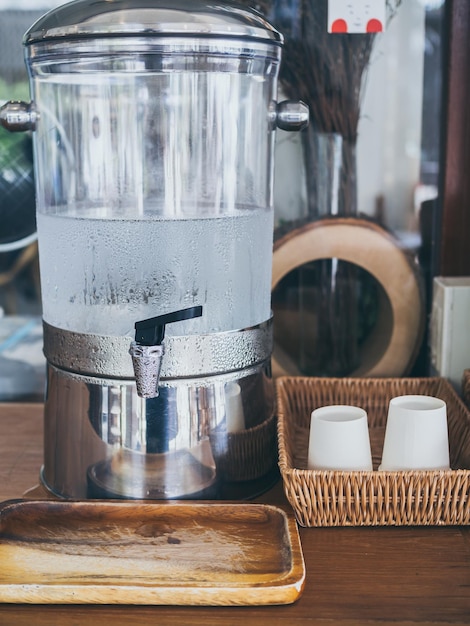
[(330, 166), (330, 163)]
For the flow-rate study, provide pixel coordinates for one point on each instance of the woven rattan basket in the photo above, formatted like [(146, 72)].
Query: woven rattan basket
[(246, 455), (338, 498)]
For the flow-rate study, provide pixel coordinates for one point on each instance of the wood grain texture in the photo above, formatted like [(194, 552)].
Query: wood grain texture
[(383, 576), (367, 245), (454, 226), (21, 450), (148, 553)]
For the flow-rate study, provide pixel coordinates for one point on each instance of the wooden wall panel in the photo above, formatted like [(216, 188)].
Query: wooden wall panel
[(453, 227)]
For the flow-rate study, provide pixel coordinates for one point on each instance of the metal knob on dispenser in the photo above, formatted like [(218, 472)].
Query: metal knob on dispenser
[(18, 116), (148, 349), (291, 115)]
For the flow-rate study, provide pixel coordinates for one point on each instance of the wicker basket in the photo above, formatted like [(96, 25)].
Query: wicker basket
[(339, 498), (247, 455)]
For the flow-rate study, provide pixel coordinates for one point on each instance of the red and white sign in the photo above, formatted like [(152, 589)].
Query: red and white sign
[(356, 16)]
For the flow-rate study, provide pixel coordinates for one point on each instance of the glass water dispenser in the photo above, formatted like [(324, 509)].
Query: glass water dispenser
[(153, 148)]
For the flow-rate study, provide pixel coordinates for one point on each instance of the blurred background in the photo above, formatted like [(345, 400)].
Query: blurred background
[(397, 156)]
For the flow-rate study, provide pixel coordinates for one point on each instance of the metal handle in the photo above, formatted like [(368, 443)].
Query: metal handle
[(151, 332), (292, 115), (18, 116)]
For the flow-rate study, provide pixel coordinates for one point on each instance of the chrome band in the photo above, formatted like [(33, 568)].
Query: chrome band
[(185, 356)]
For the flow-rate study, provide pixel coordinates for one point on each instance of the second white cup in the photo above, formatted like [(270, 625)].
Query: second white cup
[(339, 439), (416, 436)]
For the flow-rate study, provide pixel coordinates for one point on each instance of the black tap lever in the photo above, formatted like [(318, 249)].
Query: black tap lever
[(151, 332)]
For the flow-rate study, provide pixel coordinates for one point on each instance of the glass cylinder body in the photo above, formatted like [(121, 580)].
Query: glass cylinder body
[(153, 168), (153, 160)]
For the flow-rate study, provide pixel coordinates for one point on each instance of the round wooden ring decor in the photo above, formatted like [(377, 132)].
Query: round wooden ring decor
[(369, 246)]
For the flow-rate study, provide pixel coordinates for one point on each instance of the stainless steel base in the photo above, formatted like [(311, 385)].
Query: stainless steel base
[(201, 438)]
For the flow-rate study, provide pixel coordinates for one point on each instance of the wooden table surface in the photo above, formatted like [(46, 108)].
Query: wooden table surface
[(355, 576)]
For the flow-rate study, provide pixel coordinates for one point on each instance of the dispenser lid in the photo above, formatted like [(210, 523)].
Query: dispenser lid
[(105, 18)]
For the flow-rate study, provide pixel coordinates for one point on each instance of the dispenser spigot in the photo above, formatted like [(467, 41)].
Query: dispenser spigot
[(148, 349)]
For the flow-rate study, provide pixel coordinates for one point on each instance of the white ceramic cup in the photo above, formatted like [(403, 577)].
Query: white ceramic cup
[(339, 439), (416, 436)]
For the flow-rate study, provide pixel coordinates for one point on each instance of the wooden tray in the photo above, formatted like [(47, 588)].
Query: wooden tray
[(108, 552)]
